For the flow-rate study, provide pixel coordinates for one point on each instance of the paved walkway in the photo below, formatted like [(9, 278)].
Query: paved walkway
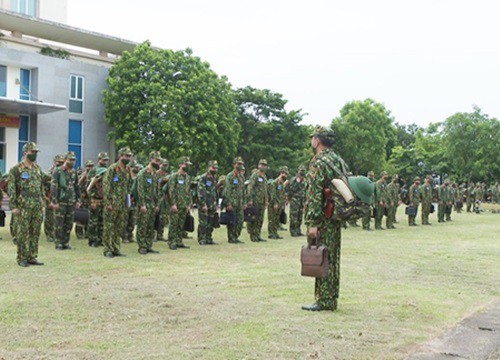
[(476, 337)]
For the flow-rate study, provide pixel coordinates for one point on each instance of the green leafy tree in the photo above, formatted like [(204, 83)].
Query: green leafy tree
[(472, 143), (363, 131), (269, 131), (172, 102)]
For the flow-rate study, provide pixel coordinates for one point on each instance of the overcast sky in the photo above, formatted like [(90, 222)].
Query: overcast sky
[(424, 60)]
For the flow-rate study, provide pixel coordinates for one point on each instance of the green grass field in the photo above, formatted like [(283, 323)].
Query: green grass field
[(399, 288)]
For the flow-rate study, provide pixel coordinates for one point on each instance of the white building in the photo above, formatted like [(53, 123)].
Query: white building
[(53, 99)]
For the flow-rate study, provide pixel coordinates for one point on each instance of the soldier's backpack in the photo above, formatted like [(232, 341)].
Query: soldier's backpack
[(348, 197)]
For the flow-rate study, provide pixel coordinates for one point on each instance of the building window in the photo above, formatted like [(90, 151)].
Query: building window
[(75, 140), (2, 150), (76, 94), (3, 80), (26, 7), (24, 134), (25, 89)]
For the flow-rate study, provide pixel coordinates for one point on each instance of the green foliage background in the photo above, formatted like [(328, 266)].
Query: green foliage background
[(174, 102)]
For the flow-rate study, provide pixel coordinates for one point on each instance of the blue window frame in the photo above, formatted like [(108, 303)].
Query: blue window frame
[(3, 80), (76, 89), (75, 140), (25, 88), (24, 134)]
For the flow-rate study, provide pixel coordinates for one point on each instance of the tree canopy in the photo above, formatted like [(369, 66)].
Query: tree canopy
[(172, 102)]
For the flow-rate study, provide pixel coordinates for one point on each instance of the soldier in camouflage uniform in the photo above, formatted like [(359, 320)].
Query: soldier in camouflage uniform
[(234, 198), (208, 199), (414, 193), (116, 184), (96, 196), (148, 203), (445, 200), (163, 177), (179, 197), (470, 196), (426, 190), (25, 190), (381, 199), (95, 192), (84, 181), (48, 223), (65, 197), (277, 201), (392, 202), (365, 221), (297, 198), (321, 230), (131, 217), (257, 197)]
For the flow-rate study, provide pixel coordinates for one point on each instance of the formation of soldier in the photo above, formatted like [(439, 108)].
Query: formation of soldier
[(126, 198)]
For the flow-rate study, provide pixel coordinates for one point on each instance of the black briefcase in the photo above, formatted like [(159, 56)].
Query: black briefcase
[(216, 221), (411, 211), (82, 216), (433, 208), (251, 214), (2, 218), (228, 218), (283, 217), (189, 223)]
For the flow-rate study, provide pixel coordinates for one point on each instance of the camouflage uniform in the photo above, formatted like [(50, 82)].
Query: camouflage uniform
[(381, 199), (297, 198), (426, 200), (65, 194), (321, 172), (257, 196), (163, 216), (470, 197), (277, 201), (365, 221), (95, 192), (208, 198), (392, 202), (415, 194), (131, 217), (445, 200), (147, 204), (83, 182), (96, 196), (234, 196), (179, 194), (48, 223), (25, 191), (116, 184)]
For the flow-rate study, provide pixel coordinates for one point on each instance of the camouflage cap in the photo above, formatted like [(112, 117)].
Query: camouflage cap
[(321, 130), (284, 169), (185, 160), (395, 177), (447, 181), (428, 177), (154, 155), (262, 162), (125, 151), (384, 173), (213, 163), (70, 155), (132, 163), (165, 162), (370, 173), (89, 163), (302, 168), (58, 158), (30, 146), (417, 178), (238, 159), (103, 156)]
